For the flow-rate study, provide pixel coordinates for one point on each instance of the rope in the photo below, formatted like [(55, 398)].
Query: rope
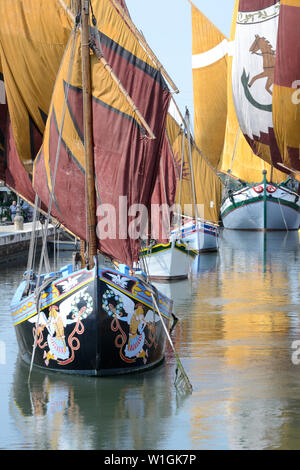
[(32, 246), (74, 32), (38, 297), (181, 376), (44, 257)]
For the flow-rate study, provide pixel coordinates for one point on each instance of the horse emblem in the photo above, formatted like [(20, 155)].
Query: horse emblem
[(269, 56)]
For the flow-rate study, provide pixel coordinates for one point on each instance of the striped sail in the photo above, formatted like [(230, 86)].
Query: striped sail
[(209, 49)]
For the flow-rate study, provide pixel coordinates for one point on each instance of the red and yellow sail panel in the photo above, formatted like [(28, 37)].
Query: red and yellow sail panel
[(126, 160)]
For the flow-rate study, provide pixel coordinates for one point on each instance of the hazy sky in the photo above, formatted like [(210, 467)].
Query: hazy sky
[(166, 24)]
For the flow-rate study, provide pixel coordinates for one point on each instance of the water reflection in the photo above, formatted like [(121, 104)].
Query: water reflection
[(238, 317), (57, 411)]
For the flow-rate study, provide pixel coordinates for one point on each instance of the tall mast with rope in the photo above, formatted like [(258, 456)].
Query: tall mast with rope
[(88, 134)]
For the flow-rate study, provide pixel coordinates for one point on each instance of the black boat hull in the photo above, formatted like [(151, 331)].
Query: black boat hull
[(99, 322)]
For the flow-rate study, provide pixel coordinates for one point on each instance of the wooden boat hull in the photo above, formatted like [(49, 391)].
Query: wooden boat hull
[(245, 210), (172, 261), (96, 323), (207, 241)]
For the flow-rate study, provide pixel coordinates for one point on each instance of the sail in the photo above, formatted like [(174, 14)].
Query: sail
[(164, 194), (208, 187), (238, 157), (286, 96), (209, 48), (126, 160), (253, 68), (32, 44)]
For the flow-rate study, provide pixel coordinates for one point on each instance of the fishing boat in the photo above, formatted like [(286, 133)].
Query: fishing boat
[(170, 261), (90, 146), (261, 187)]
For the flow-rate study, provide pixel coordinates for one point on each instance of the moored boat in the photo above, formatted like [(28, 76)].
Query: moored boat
[(88, 153), (91, 322), (262, 206), (170, 261)]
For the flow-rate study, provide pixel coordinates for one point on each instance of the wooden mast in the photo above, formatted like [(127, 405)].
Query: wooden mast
[(88, 135)]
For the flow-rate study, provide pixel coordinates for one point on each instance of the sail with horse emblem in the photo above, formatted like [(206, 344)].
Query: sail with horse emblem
[(271, 203)]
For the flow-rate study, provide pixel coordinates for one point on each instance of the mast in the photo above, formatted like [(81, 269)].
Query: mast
[(88, 135), (192, 176)]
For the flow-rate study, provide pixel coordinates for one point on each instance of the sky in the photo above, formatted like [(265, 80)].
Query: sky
[(166, 24)]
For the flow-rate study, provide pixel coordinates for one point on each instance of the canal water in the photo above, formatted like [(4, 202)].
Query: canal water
[(238, 337)]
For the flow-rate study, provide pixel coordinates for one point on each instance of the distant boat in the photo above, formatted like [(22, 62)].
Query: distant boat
[(170, 261)]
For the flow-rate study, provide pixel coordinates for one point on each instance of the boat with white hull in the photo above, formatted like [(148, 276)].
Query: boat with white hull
[(202, 237), (262, 207), (170, 261)]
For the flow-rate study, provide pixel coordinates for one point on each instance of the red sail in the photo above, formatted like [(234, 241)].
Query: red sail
[(126, 160)]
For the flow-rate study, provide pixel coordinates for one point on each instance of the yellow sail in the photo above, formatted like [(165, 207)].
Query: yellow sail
[(237, 156), (31, 49), (208, 187), (209, 48)]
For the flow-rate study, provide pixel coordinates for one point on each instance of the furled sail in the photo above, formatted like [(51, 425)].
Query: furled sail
[(33, 37), (126, 160), (209, 48), (253, 69), (238, 157), (286, 95)]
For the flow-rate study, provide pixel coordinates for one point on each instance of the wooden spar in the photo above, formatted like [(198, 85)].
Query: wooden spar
[(68, 10), (88, 135), (144, 43), (108, 68)]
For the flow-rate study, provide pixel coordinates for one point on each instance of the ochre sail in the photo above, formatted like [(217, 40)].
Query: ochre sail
[(254, 55), (126, 160), (209, 47), (31, 49), (286, 95), (238, 157), (208, 187)]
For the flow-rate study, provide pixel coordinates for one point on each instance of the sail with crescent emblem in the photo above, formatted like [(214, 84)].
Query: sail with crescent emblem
[(253, 69), (238, 157)]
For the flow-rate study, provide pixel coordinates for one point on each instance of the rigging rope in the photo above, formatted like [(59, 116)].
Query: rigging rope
[(43, 258)]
